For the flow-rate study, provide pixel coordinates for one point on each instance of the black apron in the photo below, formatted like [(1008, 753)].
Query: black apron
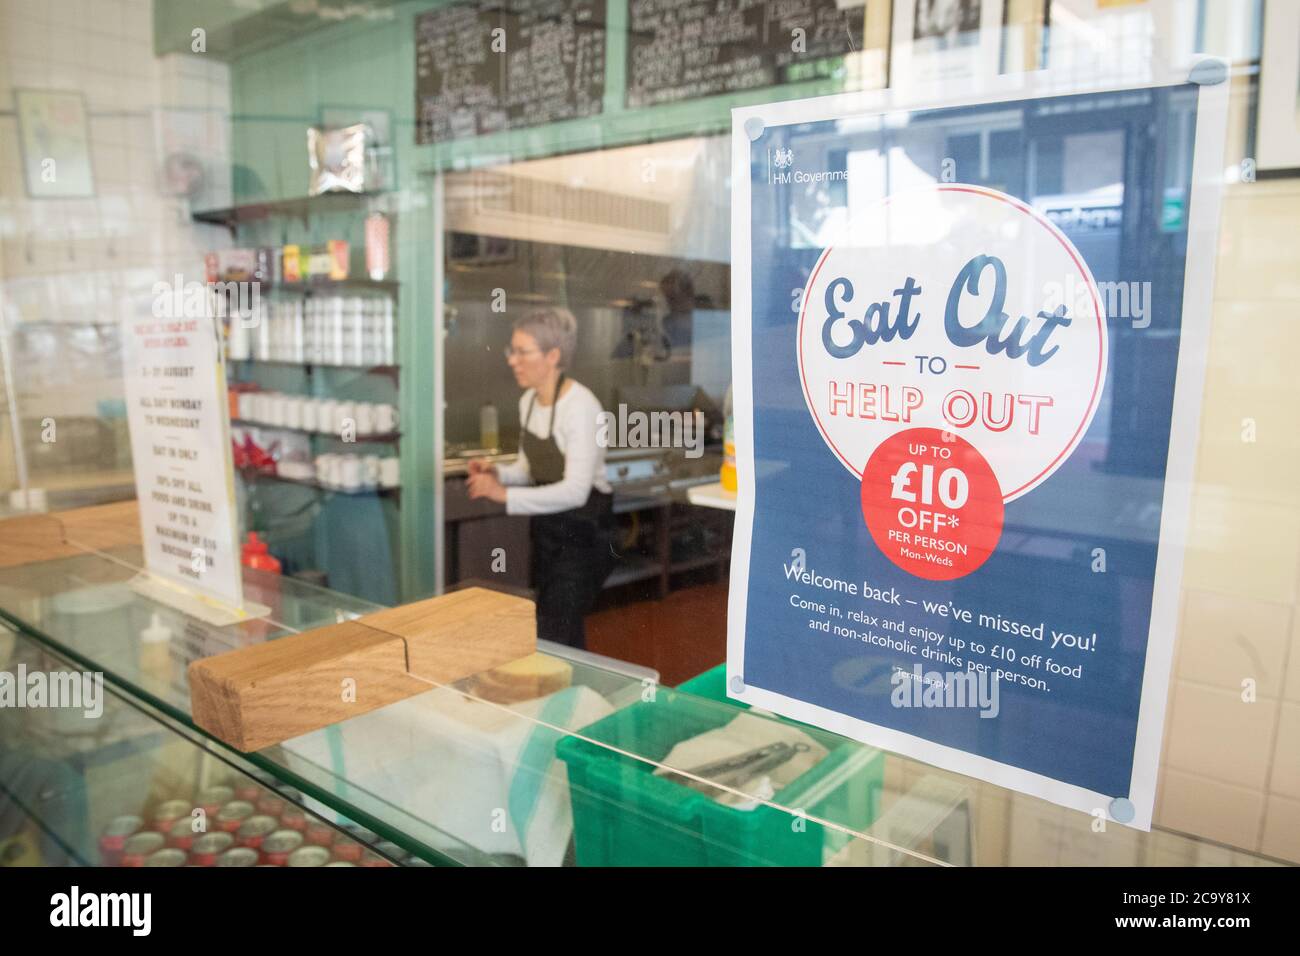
[(572, 551)]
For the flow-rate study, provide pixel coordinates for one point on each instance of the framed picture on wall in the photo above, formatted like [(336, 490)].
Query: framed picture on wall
[(55, 140), (948, 44), (1277, 137), (1120, 41), (1024, 36)]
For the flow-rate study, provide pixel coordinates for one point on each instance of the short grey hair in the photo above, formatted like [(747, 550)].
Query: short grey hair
[(552, 328)]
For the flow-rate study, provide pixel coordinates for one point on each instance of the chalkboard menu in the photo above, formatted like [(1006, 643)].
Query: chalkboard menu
[(682, 49), (490, 65)]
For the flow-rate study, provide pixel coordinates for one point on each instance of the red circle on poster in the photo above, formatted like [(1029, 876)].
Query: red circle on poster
[(932, 503)]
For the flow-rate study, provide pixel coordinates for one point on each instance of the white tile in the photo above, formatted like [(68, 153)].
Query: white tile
[(1239, 546), (28, 72), (139, 93), (24, 37), (111, 169), (1033, 826), (1292, 689), (104, 17), (1225, 640), (137, 19), (1282, 829), (1168, 849), (1208, 808), (107, 131), (1215, 734), (26, 9), (1257, 256), (104, 90), (86, 46), (1285, 778)]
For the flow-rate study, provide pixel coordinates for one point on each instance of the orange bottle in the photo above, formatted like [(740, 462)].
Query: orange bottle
[(728, 473), (255, 554)]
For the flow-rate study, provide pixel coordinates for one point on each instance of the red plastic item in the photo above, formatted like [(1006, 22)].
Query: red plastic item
[(255, 554), (249, 456)]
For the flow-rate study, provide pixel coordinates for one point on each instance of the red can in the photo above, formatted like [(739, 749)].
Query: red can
[(247, 790), (167, 856), (309, 856), (114, 838), (254, 830), (233, 815), (277, 847), (347, 851), (270, 804), (320, 834), (208, 847), (294, 819), (140, 845), (238, 856), (213, 799), (167, 813), (181, 835)]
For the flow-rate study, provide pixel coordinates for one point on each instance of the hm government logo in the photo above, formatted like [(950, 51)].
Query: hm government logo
[(781, 171)]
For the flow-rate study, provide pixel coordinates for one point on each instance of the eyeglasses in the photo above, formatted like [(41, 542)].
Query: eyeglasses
[(512, 352)]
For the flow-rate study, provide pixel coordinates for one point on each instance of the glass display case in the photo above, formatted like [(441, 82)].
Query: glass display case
[(565, 758)]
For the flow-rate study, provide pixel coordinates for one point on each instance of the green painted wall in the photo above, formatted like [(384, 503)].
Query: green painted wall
[(279, 92)]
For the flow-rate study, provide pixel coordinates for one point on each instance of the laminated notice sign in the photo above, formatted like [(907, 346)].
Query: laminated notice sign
[(178, 410), (969, 346)]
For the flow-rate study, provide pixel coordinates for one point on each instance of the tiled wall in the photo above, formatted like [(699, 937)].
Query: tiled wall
[(1231, 765), (70, 269)]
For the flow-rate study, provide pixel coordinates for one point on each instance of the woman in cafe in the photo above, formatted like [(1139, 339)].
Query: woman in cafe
[(558, 478)]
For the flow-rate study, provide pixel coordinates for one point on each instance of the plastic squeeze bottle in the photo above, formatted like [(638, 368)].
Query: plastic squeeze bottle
[(728, 473), (257, 555)]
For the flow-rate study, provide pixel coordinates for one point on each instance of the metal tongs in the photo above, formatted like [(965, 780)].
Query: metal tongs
[(732, 771)]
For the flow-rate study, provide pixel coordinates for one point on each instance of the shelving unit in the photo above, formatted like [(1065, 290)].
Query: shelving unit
[(392, 370), (384, 438), (251, 475), (333, 287), (271, 507), (301, 208)]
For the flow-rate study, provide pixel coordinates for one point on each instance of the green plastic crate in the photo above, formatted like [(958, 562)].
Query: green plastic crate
[(711, 684), (623, 815)]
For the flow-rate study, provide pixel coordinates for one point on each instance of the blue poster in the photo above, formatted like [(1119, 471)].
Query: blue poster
[(968, 344)]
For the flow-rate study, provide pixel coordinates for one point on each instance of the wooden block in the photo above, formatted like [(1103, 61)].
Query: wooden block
[(103, 527), (67, 534), (461, 633), (29, 538), (263, 694)]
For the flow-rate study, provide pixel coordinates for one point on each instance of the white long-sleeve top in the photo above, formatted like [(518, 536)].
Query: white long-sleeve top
[(577, 418)]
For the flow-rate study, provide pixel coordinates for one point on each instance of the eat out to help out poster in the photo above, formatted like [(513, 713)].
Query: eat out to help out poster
[(968, 344)]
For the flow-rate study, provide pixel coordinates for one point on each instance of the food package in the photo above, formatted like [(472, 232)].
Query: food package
[(338, 159), (528, 678)]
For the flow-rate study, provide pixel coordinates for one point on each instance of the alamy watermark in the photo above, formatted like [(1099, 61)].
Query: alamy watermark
[(129, 910), (1119, 300), (639, 429), (976, 689), (222, 300), (72, 690)]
